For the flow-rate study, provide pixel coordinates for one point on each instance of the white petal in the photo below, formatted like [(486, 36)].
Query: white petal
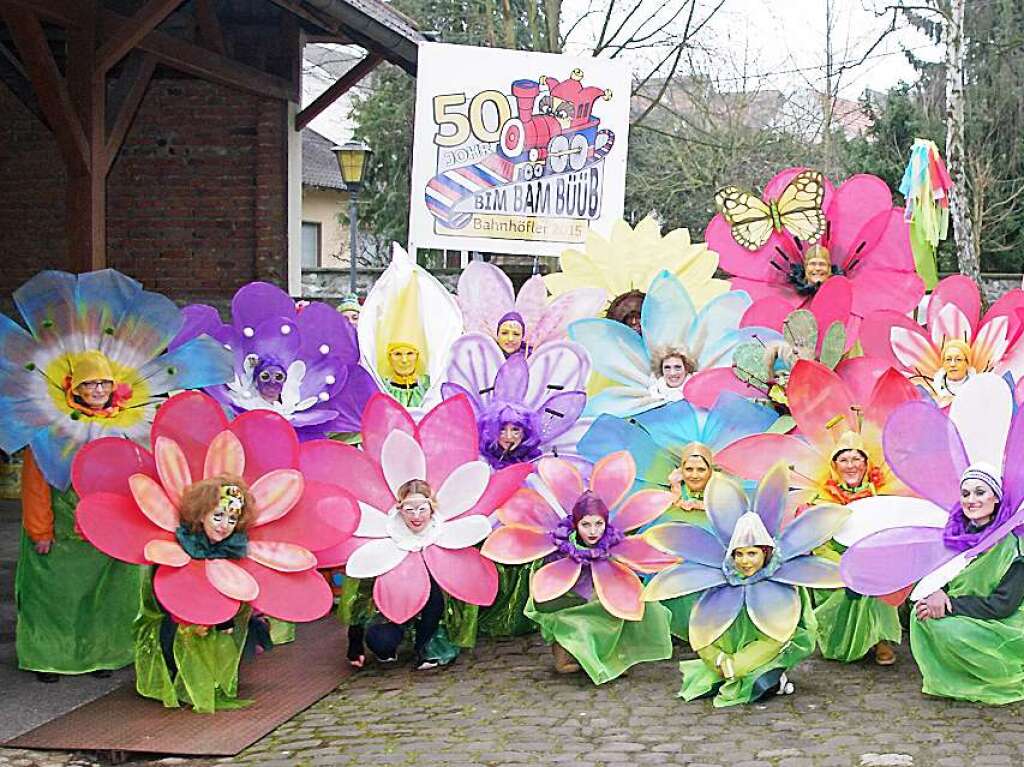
[(401, 459), (461, 533), (881, 512), (462, 489), (939, 577), (981, 412), (374, 558), (373, 523)]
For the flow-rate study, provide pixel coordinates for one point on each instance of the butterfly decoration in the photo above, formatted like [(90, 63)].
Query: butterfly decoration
[(797, 211)]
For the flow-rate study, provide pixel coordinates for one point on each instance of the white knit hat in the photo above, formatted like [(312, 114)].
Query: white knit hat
[(749, 531)]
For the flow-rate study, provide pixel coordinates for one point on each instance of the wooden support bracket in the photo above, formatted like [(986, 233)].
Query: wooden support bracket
[(342, 86), (132, 31)]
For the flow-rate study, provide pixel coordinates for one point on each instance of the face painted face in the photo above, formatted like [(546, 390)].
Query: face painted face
[(416, 511), (695, 474), (977, 500), (954, 361), (851, 466), (95, 394), (748, 559), (510, 336), (590, 529), (218, 524), (673, 370), (511, 437), (403, 360), (817, 270), (270, 381), (351, 315)]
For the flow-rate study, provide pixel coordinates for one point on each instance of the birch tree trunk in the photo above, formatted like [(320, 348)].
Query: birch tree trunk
[(959, 209)]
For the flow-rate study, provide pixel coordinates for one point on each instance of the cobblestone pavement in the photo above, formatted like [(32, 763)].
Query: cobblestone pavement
[(502, 705)]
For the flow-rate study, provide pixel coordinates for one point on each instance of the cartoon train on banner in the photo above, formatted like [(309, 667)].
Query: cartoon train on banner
[(562, 136)]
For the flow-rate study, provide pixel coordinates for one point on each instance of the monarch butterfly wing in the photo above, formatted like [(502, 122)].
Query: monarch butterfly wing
[(799, 206), (750, 217)]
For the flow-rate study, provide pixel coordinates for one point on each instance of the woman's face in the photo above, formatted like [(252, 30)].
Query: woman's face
[(632, 321), (510, 437), (851, 466), (748, 559), (817, 270), (955, 362), (95, 394), (219, 524), (978, 501), (404, 360), (590, 529), (510, 337), (673, 370), (416, 512), (696, 474)]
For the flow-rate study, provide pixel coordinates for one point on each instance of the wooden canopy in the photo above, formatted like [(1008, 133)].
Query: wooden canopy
[(83, 67)]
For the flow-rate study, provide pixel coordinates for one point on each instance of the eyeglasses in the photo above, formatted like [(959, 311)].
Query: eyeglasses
[(96, 384)]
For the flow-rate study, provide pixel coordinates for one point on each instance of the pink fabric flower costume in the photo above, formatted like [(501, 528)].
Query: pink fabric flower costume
[(588, 599), (442, 450), (954, 344), (866, 242)]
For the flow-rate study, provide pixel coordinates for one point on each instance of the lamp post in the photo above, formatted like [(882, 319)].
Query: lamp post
[(352, 159)]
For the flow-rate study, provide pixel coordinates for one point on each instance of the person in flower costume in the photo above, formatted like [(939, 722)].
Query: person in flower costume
[(837, 459), (625, 264), (958, 545), (650, 368), (585, 593), (818, 233), (303, 365), (525, 407), (674, 447), (954, 345), (522, 322), (91, 362), (408, 324), (425, 496), (230, 523), (823, 331), (753, 621)]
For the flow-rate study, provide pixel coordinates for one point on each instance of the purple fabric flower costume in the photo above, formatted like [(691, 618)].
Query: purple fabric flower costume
[(300, 363), (894, 541), (542, 396)]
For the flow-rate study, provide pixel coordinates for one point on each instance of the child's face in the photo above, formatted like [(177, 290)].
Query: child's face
[(416, 511), (219, 524)]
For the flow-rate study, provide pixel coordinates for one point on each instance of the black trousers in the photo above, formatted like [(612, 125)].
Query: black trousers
[(383, 637)]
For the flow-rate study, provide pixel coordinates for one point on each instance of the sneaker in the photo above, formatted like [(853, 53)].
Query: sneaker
[(387, 660), (426, 665), (884, 655), (785, 686)]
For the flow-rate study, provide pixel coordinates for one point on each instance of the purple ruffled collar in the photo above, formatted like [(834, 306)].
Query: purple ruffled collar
[(961, 535), (564, 539)]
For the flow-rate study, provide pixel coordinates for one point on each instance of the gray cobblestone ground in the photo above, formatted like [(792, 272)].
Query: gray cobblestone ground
[(501, 705)]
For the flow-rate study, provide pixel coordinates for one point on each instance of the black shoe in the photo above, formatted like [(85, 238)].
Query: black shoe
[(101, 673), (47, 677)]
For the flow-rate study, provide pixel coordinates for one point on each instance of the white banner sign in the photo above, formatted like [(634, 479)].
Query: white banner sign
[(516, 152)]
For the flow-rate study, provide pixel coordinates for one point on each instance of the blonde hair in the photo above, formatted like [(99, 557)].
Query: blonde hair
[(659, 355), (416, 487), (202, 498)]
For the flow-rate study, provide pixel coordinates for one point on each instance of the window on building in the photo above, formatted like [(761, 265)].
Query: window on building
[(312, 243)]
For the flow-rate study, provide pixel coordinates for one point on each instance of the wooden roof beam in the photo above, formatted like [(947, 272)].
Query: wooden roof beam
[(49, 86), (340, 87), (138, 73), (66, 12), (202, 62), (131, 32)]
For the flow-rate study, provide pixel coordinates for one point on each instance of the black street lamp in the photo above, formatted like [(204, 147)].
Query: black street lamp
[(353, 157)]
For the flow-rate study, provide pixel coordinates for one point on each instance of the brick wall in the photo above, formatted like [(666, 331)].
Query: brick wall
[(196, 200)]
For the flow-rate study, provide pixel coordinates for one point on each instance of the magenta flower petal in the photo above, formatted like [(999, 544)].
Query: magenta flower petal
[(641, 508), (382, 416), (618, 588), (563, 479), (345, 466), (299, 597), (269, 440), (855, 203), (637, 554), (527, 508), (324, 516), (960, 291), (554, 579), (517, 545), (105, 465), (188, 594), (703, 387), (503, 484), (860, 374), (191, 420), (402, 592), (115, 525), (816, 396), (752, 456), (448, 437), (890, 391), (338, 555), (612, 478), (463, 573)]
